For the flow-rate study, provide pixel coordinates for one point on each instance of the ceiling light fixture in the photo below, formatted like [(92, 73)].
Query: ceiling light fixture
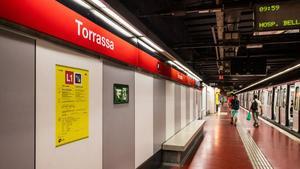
[(146, 46), (148, 41), (112, 24), (188, 70), (83, 4), (254, 46), (99, 3), (116, 17), (204, 11), (184, 69)]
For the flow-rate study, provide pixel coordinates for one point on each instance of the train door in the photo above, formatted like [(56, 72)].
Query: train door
[(269, 109), (296, 108), (250, 97), (264, 98), (283, 105), (244, 100), (290, 105), (277, 104)]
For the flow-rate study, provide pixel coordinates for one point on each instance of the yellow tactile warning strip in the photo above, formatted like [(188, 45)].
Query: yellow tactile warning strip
[(256, 156)]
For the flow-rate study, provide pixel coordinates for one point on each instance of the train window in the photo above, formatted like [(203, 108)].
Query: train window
[(297, 98), (261, 97), (269, 101), (280, 97), (284, 95), (277, 98)]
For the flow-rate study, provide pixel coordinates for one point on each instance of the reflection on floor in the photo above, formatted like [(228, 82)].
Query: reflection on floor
[(281, 151), (222, 147)]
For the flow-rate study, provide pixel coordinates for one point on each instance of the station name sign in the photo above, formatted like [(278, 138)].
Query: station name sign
[(93, 36), (72, 28), (277, 16)]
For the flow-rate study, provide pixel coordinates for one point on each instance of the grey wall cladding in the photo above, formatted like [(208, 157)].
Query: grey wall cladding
[(17, 67), (177, 107), (194, 105), (159, 115), (118, 120), (188, 104)]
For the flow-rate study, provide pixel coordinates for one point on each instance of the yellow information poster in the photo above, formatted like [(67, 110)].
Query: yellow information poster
[(72, 104)]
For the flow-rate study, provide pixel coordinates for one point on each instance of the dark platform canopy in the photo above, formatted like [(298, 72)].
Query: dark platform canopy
[(212, 36)]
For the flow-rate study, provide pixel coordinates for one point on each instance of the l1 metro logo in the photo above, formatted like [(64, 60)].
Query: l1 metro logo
[(69, 77)]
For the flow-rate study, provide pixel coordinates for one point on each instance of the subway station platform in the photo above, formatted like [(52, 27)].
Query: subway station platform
[(231, 147), (136, 84)]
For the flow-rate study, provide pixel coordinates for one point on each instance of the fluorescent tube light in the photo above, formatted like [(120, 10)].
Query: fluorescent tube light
[(152, 44), (170, 62), (116, 17), (178, 63), (83, 4), (188, 70), (178, 67), (99, 3), (112, 24), (254, 46), (146, 46), (271, 77), (268, 33), (203, 11)]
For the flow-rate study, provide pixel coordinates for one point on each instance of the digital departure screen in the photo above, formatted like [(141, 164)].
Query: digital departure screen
[(277, 16)]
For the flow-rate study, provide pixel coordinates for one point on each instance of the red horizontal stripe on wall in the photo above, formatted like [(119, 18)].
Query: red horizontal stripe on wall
[(54, 19)]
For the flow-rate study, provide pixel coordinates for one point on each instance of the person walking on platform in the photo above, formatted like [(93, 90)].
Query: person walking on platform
[(254, 108), (235, 106), (230, 106)]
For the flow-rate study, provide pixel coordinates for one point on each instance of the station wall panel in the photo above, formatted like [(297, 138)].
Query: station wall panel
[(203, 104), (17, 101), (118, 120), (143, 118), (191, 91), (210, 100), (200, 104), (195, 104), (170, 109), (177, 107), (187, 105), (86, 153), (183, 106), (159, 113), (127, 133)]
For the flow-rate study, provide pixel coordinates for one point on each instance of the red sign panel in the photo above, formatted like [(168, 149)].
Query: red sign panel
[(69, 77), (54, 19)]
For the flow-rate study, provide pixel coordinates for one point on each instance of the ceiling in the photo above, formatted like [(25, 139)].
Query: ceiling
[(208, 34)]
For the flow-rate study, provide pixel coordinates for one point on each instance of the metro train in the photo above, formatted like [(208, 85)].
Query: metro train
[(280, 103)]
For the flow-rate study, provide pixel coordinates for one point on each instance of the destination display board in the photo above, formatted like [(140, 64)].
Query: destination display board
[(277, 16)]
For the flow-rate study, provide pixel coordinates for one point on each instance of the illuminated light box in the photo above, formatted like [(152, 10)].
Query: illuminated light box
[(121, 93), (277, 16)]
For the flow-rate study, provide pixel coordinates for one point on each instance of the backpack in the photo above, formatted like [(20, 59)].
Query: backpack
[(254, 105), (235, 104)]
